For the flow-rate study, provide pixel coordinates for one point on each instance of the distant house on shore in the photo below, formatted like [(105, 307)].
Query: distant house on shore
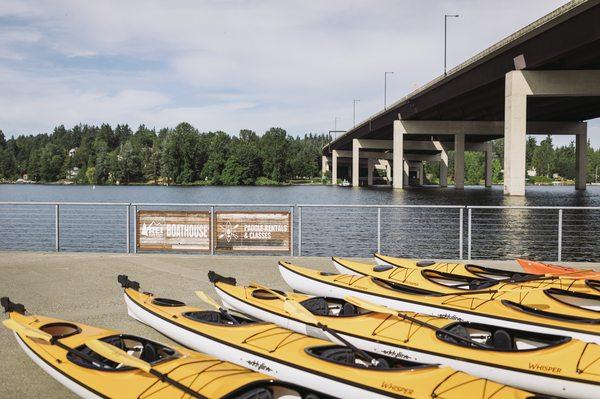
[(73, 172), (72, 152)]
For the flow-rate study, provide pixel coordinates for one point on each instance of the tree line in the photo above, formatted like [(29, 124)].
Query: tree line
[(89, 154), (105, 155)]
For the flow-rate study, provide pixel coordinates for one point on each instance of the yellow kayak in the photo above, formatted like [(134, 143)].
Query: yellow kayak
[(449, 278), (175, 372), (548, 311), (334, 369), (549, 364), (465, 269)]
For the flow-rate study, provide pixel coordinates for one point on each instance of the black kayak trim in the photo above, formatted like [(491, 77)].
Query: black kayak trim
[(441, 307), (430, 352)]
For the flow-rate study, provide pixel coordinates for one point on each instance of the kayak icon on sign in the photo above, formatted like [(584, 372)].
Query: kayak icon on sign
[(154, 229), (229, 233)]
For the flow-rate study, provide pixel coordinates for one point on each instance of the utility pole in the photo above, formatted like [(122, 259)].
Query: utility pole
[(446, 16), (354, 112), (385, 74)]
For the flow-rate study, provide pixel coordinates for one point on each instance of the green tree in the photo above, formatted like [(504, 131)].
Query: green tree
[(274, 148), (243, 165), (544, 157), (218, 153), (530, 147), (129, 167)]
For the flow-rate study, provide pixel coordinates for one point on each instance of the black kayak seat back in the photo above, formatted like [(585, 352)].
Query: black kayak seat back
[(382, 268), (502, 340), (317, 306), (348, 309), (256, 393)]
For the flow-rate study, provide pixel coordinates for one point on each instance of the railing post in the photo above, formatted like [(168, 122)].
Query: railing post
[(213, 230), (292, 231), (469, 234), (57, 227), (299, 230), (128, 221), (378, 230), (560, 220), (460, 233), (135, 232)]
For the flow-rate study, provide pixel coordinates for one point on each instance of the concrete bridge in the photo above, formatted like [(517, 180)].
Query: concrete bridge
[(543, 79)]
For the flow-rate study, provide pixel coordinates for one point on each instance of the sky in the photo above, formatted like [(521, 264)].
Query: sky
[(231, 65)]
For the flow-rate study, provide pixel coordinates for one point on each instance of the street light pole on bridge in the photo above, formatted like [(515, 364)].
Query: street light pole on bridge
[(354, 112), (446, 16)]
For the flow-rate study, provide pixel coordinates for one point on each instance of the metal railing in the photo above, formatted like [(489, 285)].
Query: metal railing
[(420, 231)]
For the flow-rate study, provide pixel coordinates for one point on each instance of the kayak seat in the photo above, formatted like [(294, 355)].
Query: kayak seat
[(348, 310), (459, 330), (502, 340), (340, 355), (317, 306), (256, 393), (481, 284), (214, 317), (148, 353)]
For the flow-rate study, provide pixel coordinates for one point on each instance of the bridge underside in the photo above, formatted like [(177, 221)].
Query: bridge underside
[(544, 79)]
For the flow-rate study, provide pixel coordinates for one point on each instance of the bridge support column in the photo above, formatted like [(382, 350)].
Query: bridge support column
[(421, 171), (388, 172), (334, 167), (518, 86), (398, 154), (355, 162), (459, 161), (581, 161), (370, 168), (489, 157), (324, 165), (444, 168), (515, 127)]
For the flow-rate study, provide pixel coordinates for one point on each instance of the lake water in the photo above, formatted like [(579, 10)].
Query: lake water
[(410, 232)]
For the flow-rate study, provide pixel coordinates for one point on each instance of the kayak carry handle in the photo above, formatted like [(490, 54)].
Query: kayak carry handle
[(11, 306), (214, 277), (127, 283)]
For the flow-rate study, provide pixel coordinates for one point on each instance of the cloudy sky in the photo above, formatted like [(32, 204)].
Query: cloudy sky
[(230, 65)]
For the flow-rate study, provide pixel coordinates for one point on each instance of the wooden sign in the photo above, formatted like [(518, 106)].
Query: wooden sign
[(252, 231), (173, 230)]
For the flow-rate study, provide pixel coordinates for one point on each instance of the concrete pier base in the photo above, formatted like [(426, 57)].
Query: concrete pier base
[(459, 161)]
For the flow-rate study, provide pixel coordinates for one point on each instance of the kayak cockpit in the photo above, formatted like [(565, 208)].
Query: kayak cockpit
[(346, 356), (579, 300), (61, 330), (457, 281), (495, 338), (142, 348), (498, 274), (214, 317), (324, 306), (275, 390), (593, 284), (550, 315), (402, 288)]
